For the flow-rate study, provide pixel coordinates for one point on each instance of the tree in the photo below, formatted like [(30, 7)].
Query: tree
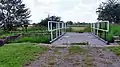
[(14, 14), (69, 23), (44, 22), (109, 11), (22, 15)]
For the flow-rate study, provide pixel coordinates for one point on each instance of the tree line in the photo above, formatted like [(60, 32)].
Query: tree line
[(44, 22)]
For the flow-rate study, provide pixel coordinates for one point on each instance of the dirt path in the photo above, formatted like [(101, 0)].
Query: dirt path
[(91, 57)]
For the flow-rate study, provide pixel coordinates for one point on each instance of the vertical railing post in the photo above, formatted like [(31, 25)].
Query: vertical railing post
[(56, 30), (97, 28), (59, 28), (62, 29), (48, 26), (108, 26), (91, 28), (51, 31), (94, 28), (65, 27)]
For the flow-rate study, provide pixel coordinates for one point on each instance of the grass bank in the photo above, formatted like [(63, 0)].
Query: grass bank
[(116, 50), (32, 39), (114, 31), (15, 55)]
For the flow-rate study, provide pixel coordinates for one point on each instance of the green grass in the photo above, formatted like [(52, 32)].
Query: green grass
[(30, 36), (116, 50), (75, 49), (32, 32), (33, 28), (16, 55), (32, 39), (114, 31), (7, 34)]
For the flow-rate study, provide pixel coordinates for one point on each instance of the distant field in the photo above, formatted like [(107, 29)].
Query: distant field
[(78, 29)]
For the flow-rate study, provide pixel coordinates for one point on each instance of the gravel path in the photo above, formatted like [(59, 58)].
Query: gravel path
[(91, 57)]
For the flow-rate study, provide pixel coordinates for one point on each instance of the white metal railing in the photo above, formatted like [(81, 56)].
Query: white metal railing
[(96, 27), (56, 29)]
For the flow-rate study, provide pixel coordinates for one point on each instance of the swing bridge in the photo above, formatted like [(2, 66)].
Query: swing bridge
[(59, 36)]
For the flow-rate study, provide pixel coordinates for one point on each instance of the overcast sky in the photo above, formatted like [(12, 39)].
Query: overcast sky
[(74, 10)]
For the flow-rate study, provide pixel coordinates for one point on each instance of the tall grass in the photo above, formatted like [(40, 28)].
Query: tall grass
[(114, 31), (32, 39)]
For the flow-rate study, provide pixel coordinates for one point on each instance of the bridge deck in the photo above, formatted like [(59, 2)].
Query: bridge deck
[(79, 37)]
